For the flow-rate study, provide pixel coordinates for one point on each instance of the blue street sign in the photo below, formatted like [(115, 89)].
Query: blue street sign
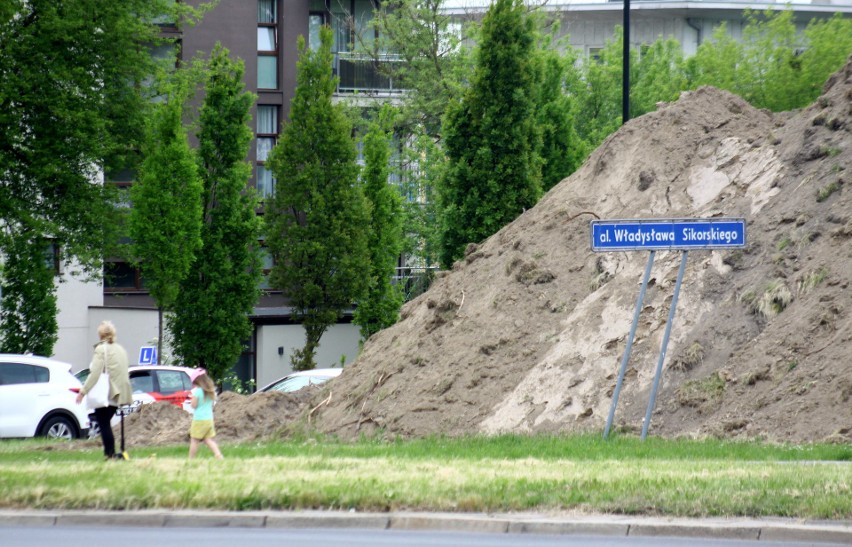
[(148, 355), (668, 234)]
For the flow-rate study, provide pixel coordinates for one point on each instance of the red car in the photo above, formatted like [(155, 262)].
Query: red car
[(152, 383)]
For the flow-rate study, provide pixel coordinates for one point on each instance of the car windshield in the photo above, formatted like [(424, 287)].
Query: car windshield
[(295, 383)]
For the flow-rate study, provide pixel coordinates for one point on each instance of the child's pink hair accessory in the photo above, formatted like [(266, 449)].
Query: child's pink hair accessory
[(196, 373)]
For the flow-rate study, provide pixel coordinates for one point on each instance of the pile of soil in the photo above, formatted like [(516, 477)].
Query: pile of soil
[(526, 334), (237, 417)]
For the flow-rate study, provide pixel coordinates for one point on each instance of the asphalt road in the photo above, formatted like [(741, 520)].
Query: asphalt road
[(86, 536)]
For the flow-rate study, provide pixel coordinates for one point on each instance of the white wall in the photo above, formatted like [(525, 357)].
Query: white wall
[(74, 298), (134, 328), (337, 341)]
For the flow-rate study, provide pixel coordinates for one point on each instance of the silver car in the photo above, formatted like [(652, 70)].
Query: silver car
[(297, 380)]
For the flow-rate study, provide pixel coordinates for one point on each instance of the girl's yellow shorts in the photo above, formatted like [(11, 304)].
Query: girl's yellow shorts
[(202, 429)]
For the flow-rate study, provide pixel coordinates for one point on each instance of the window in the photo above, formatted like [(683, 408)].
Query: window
[(122, 277), (18, 373), (315, 21), (595, 54), (265, 182), (267, 72), (266, 262), (267, 45), (292, 384), (122, 180), (265, 39), (267, 134), (52, 257), (142, 382), (171, 381), (266, 11), (267, 120), (264, 146)]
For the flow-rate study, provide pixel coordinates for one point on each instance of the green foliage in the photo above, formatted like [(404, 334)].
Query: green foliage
[(434, 65), (66, 110), (232, 382), (829, 43), (717, 62), (562, 151), (825, 192), (658, 75), (315, 221), (165, 221), (600, 93), (701, 393), (418, 184), (769, 301), (28, 297), (210, 319), (379, 308), (772, 66), (811, 280), (771, 75), (491, 137)]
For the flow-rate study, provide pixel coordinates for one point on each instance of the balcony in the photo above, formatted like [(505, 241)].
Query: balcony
[(414, 281), (361, 73)]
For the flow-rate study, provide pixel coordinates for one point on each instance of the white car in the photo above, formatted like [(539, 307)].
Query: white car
[(303, 378), (38, 398)]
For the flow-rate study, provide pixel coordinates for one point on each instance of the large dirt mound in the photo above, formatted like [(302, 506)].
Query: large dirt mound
[(526, 334)]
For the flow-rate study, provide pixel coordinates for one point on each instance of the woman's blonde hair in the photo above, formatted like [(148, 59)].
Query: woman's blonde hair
[(106, 331), (206, 384)]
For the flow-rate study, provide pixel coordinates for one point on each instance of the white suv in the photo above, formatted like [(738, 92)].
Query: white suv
[(38, 398)]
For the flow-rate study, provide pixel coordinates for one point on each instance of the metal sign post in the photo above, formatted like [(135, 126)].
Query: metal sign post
[(630, 337), (653, 235)]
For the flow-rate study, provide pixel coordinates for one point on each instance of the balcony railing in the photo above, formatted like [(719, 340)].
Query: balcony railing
[(414, 281), (362, 73)]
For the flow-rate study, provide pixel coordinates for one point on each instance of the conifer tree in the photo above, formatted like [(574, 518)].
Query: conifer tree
[(380, 306), (165, 221), (315, 221), (562, 150), (210, 320), (491, 137)]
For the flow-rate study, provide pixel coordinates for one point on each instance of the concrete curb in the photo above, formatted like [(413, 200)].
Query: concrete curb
[(514, 523)]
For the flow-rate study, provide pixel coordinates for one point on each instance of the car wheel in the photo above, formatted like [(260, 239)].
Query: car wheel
[(59, 427), (94, 429)]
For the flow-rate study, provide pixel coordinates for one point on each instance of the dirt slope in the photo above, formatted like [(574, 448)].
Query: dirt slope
[(527, 333)]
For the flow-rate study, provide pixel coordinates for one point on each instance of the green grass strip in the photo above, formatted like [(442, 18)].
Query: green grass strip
[(509, 473)]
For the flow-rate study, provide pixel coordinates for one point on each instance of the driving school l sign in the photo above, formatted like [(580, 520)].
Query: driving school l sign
[(668, 234)]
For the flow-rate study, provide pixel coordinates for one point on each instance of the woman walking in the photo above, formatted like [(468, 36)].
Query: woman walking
[(110, 359)]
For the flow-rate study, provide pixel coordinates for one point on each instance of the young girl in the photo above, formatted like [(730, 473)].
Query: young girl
[(203, 396)]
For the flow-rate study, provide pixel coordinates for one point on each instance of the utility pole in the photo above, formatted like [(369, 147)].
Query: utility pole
[(625, 84)]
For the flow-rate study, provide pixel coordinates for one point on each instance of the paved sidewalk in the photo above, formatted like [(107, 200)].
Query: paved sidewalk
[(599, 525)]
